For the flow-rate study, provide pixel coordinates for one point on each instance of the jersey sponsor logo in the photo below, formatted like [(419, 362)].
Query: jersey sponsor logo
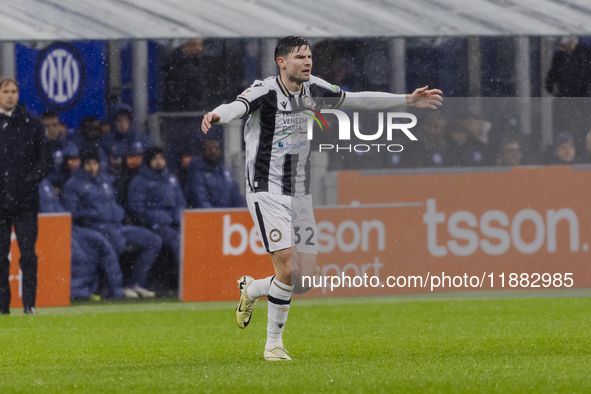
[(293, 123), (288, 144), (60, 76)]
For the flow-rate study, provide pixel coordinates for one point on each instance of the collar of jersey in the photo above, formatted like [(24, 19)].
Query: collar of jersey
[(284, 89)]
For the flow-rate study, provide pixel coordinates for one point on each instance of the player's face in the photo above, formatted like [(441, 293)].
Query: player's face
[(298, 64), (8, 96)]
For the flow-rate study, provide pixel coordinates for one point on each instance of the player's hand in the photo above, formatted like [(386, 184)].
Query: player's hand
[(208, 119), (425, 98)]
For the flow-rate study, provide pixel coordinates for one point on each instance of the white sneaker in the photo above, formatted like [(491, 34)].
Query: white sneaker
[(128, 293), (276, 354), (245, 306), (142, 292)]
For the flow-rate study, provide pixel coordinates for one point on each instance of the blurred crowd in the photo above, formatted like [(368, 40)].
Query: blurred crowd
[(125, 203), (491, 136), (465, 140), (459, 137)]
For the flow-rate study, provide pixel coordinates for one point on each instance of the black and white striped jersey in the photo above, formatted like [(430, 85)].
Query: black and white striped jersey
[(277, 146)]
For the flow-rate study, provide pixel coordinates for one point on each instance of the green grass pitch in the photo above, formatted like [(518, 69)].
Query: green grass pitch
[(338, 345)]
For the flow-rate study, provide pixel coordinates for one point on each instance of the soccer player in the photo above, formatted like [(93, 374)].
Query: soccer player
[(278, 173)]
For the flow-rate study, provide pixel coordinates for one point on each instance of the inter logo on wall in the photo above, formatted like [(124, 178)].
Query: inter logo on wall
[(60, 76), (67, 77)]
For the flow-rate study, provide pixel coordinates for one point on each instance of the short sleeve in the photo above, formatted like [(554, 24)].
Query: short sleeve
[(253, 97)]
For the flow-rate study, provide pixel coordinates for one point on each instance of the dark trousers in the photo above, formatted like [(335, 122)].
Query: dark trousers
[(181, 139), (26, 230), (171, 238), (91, 251)]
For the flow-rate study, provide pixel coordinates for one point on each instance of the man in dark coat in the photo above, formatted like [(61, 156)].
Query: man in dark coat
[(570, 73), (184, 78), (569, 80), (184, 90), (25, 159)]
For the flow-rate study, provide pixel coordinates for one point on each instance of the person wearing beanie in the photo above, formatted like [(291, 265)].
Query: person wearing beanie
[(56, 136), (70, 163), (90, 197), (89, 136), (563, 152), (155, 199), (125, 145)]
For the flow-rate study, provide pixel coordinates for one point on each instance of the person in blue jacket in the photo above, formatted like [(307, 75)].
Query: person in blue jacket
[(155, 199), (89, 136), (91, 251), (209, 183), (125, 146), (90, 197), (124, 139), (70, 163), (57, 142)]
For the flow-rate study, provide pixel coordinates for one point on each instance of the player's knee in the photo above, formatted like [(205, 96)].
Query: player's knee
[(282, 257)]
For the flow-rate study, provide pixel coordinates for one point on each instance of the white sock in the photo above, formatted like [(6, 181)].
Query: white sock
[(278, 308), (259, 288)]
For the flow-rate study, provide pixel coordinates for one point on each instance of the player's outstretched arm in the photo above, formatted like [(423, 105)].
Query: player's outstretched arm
[(420, 98), (425, 98), (223, 114)]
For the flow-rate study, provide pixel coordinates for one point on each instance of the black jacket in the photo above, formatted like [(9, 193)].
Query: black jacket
[(184, 83), (25, 159), (571, 71)]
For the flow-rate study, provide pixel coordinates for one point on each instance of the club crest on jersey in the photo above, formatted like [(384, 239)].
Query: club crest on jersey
[(308, 102), (275, 235)]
